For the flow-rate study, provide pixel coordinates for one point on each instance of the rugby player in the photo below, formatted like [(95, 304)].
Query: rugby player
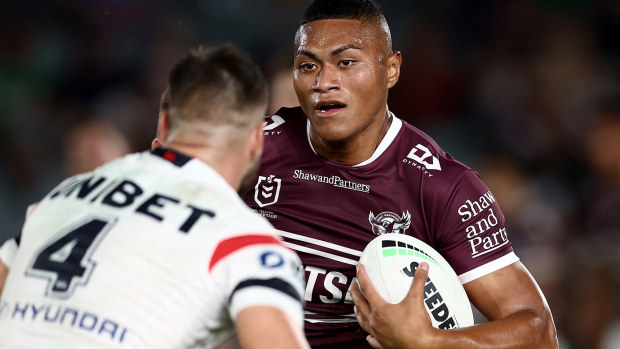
[(341, 169), (156, 249)]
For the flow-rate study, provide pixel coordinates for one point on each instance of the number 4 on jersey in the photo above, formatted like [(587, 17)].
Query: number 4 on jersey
[(65, 261)]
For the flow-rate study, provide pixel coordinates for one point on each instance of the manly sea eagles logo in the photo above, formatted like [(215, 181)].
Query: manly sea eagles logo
[(389, 222), (267, 190)]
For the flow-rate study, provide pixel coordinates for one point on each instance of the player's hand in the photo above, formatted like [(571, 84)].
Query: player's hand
[(403, 325)]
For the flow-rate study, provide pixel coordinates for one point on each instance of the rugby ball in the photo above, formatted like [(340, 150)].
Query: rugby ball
[(390, 261)]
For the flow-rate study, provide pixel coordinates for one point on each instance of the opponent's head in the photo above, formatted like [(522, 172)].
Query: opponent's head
[(216, 102), (216, 86), (344, 67)]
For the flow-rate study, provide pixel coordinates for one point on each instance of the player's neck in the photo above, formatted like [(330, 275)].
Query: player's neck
[(356, 149)]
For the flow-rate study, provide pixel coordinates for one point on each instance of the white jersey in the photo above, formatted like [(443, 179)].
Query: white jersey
[(154, 250)]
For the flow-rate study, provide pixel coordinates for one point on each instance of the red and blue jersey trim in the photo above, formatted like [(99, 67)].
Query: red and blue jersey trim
[(229, 246)]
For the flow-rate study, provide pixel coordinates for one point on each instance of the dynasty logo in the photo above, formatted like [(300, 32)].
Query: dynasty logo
[(272, 123), (423, 155), (421, 158)]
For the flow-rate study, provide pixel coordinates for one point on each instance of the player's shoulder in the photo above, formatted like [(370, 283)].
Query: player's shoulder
[(426, 155), (242, 217)]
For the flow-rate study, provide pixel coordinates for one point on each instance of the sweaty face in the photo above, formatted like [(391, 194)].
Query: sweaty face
[(341, 78)]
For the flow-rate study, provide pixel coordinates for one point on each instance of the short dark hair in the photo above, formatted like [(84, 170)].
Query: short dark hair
[(211, 80), (360, 10), (342, 9)]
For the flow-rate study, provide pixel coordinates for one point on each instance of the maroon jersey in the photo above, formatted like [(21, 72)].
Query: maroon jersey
[(328, 212)]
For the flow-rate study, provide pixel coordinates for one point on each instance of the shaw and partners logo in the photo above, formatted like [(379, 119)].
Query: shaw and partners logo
[(267, 190), (423, 159), (389, 222), (485, 231), (334, 180)]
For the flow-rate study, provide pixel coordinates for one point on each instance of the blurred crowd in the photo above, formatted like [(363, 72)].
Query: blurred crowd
[(525, 92)]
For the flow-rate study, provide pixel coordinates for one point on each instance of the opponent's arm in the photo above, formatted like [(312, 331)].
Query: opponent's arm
[(263, 284), (267, 327), (510, 298)]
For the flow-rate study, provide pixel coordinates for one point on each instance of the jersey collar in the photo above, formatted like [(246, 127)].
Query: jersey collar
[(385, 142), (174, 157)]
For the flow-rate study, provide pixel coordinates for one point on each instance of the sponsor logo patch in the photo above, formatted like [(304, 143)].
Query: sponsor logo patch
[(422, 158), (334, 180), (422, 155), (273, 122), (485, 233), (271, 259)]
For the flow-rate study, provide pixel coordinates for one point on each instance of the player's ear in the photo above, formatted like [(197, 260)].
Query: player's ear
[(393, 68), (156, 143), (163, 125)]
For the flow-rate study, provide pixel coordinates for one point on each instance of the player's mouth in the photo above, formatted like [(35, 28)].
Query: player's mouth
[(329, 108)]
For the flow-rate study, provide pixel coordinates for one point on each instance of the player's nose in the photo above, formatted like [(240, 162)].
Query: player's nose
[(327, 79)]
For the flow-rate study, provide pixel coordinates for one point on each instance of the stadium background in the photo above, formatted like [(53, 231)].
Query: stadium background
[(525, 92)]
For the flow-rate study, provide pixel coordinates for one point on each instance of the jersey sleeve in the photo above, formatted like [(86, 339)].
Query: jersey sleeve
[(473, 236), (259, 270)]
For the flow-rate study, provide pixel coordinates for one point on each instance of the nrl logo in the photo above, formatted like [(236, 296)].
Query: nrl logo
[(389, 222), (267, 190)]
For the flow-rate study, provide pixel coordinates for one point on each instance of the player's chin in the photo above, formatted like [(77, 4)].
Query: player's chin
[(332, 131)]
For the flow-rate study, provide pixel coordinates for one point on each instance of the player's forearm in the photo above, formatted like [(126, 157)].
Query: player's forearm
[(524, 329), (263, 327)]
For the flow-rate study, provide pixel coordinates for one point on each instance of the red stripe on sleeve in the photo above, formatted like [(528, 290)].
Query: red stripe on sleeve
[(228, 246)]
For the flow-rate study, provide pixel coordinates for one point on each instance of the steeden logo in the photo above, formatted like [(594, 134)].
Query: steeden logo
[(267, 190)]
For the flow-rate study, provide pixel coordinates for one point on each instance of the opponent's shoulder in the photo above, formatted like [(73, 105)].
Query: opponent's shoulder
[(241, 219)]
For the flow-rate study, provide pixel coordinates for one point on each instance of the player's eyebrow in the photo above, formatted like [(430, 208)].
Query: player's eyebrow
[(334, 53), (341, 49), (307, 53)]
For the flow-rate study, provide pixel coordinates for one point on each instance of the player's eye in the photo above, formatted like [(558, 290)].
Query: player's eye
[(346, 63), (306, 66)]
